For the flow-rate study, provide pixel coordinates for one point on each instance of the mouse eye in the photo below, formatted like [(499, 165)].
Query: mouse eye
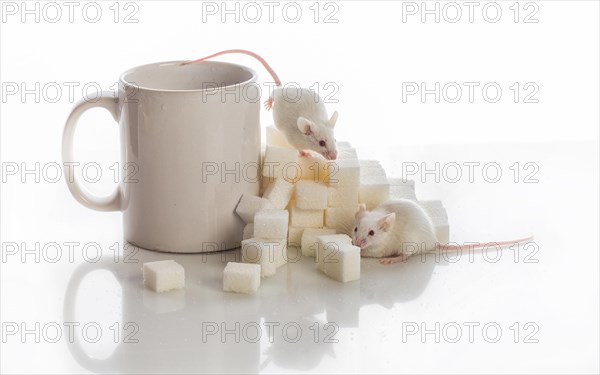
[(371, 233), (322, 143), (355, 229)]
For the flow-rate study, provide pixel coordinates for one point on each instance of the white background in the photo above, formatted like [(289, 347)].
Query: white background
[(368, 54)]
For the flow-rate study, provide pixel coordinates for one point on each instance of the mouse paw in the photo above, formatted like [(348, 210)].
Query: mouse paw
[(269, 104), (399, 258), (303, 154)]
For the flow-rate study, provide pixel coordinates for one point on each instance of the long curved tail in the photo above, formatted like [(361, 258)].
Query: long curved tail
[(483, 245), (244, 52)]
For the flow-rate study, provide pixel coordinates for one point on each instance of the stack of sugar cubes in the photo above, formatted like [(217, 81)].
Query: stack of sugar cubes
[(309, 202)]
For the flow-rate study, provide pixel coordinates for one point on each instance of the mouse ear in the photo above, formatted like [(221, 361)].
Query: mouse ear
[(305, 126), (333, 119), (387, 222)]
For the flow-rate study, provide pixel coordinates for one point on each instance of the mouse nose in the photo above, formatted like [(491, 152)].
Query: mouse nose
[(331, 155)]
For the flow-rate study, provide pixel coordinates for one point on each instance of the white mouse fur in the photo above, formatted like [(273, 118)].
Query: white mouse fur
[(396, 227), (298, 113), (301, 116)]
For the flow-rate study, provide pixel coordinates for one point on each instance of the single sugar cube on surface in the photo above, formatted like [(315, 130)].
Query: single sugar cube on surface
[(276, 138), (342, 196), (341, 219), (343, 172), (331, 242), (248, 231), (271, 224), (241, 277), (311, 195), (371, 171), (249, 205), (279, 193), (281, 162), (269, 253), (295, 236), (374, 190), (163, 275), (309, 239), (306, 218), (342, 263)]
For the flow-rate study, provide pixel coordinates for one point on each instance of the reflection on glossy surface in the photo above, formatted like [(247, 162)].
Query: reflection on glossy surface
[(294, 321)]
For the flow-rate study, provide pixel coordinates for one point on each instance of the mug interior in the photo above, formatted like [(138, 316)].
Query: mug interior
[(172, 76)]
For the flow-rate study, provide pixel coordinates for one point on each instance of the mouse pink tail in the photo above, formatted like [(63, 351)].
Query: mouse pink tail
[(485, 244), (244, 52)]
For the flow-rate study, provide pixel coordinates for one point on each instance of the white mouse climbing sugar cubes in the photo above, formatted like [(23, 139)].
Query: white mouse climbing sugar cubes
[(241, 277), (249, 205), (309, 239), (342, 263), (311, 195), (164, 275), (271, 224)]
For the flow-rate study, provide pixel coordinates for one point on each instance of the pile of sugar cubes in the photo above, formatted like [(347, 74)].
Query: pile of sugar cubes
[(307, 202), (310, 203)]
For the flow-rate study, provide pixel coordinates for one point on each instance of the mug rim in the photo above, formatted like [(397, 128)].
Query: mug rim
[(125, 82)]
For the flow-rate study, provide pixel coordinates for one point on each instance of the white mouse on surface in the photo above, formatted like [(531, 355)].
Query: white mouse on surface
[(298, 113), (398, 229)]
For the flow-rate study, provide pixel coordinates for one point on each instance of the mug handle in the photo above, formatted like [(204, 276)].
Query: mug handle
[(110, 202)]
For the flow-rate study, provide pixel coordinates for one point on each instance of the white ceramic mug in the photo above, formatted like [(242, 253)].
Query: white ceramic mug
[(192, 136)]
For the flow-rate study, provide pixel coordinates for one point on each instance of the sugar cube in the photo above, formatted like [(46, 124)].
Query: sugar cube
[(343, 144), (276, 138), (313, 168), (281, 162), (279, 193), (347, 153), (309, 239), (271, 224), (241, 277), (343, 172), (371, 171), (163, 275), (342, 263), (248, 231), (311, 195), (365, 163), (342, 196), (341, 219), (331, 241), (249, 205), (306, 218), (402, 189), (269, 253), (374, 190), (295, 236), (437, 213)]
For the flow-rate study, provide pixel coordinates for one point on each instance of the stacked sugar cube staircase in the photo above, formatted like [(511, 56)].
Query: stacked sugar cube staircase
[(310, 203)]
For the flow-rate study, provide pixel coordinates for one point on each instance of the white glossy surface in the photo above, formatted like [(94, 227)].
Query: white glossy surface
[(559, 293)]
